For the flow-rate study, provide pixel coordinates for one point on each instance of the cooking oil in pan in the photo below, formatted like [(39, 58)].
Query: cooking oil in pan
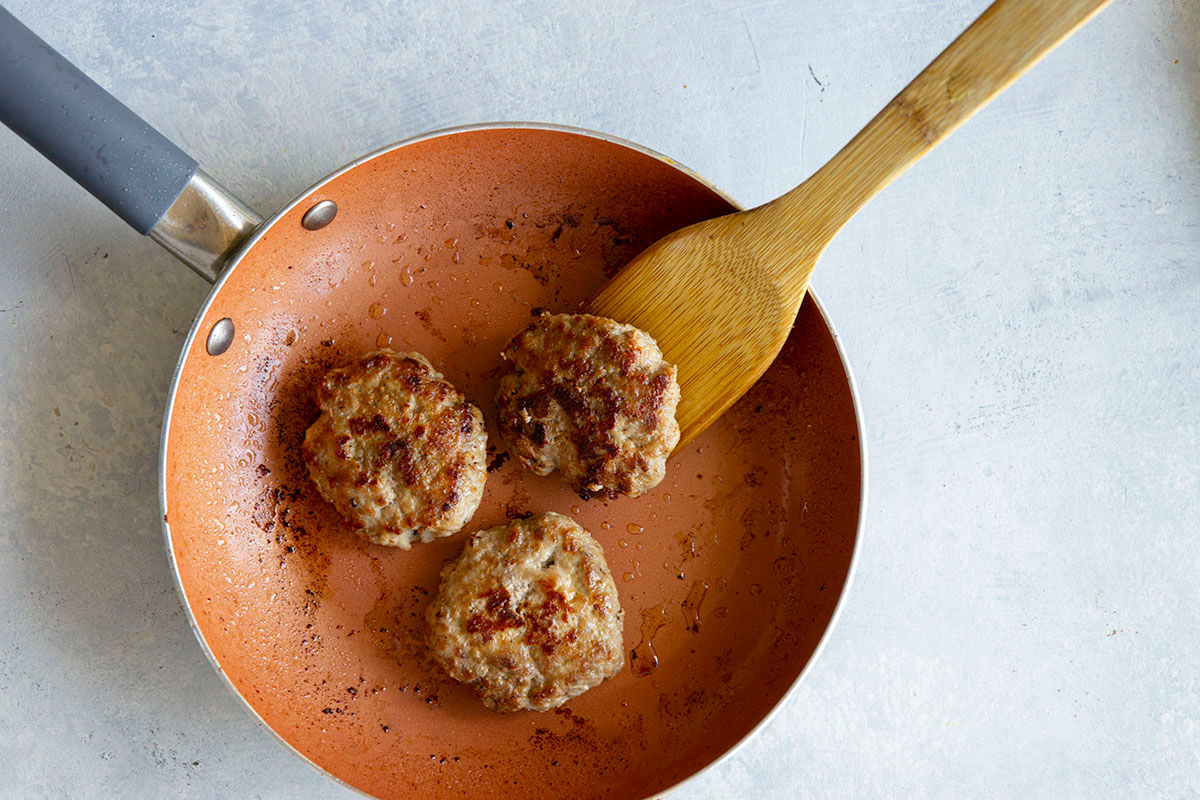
[(643, 660)]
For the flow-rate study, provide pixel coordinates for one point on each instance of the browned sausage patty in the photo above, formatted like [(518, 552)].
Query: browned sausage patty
[(592, 398), (397, 450), (528, 615)]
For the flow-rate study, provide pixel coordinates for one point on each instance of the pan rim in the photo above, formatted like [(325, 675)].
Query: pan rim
[(270, 222)]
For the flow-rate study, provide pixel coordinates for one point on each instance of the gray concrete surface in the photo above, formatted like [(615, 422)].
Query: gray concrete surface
[(1022, 311)]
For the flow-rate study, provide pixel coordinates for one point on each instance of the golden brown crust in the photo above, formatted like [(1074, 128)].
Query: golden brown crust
[(528, 615), (397, 450), (592, 398)]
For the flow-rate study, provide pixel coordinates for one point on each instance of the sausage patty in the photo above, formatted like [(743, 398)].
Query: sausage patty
[(397, 450), (592, 398), (528, 615)]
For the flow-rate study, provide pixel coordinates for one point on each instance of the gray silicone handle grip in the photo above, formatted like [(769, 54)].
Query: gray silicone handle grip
[(89, 134)]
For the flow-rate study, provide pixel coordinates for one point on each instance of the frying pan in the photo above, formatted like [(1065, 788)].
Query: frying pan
[(730, 571)]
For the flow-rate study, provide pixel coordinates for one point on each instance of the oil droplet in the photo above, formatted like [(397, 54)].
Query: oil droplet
[(475, 302), (756, 589), (720, 611), (498, 287), (575, 509), (633, 527), (406, 279), (688, 541), (372, 280), (376, 310), (622, 543), (667, 498), (653, 515), (785, 569), (290, 339), (628, 576), (642, 659), (691, 605), (606, 525), (383, 340)]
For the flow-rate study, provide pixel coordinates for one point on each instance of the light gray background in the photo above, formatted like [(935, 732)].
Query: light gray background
[(1022, 312)]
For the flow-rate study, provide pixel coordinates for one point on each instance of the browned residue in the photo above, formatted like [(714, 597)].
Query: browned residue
[(425, 317), (547, 245)]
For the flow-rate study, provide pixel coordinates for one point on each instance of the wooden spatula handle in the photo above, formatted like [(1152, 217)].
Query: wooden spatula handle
[(1008, 39)]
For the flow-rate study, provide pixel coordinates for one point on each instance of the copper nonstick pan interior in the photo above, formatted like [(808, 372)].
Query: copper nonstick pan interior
[(729, 571)]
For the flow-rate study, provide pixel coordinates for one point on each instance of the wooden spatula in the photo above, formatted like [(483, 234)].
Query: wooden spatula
[(720, 296)]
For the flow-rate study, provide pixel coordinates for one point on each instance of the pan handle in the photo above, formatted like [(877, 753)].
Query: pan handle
[(116, 155)]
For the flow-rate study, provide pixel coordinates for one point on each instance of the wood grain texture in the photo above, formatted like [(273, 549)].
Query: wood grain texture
[(720, 296)]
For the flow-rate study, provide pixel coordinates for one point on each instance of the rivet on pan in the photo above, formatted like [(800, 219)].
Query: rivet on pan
[(319, 215), (220, 337)]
